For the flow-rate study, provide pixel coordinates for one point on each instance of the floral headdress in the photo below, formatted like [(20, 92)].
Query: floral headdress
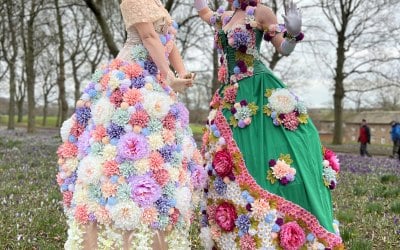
[(242, 4)]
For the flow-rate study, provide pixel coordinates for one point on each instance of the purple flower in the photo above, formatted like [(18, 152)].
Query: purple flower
[(243, 5), (253, 4), (138, 82), (220, 186), (163, 204), (83, 143), (267, 37), (243, 103), (243, 223), (248, 207), (115, 131), (198, 176), (233, 111), (144, 190), (151, 67), (284, 181), (240, 38), (243, 48), (83, 115), (133, 146), (272, 163), (183, 114), (279, 221), (166, 152), (92, 217)]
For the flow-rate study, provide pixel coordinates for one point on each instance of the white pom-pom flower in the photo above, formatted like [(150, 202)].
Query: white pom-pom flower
[(102, 111), (126, 215), (89, 169), (282, 101), (66, 128), (183, 199), (157, 104)]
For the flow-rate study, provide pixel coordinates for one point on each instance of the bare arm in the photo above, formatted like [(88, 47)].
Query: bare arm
[(152, 43), (266, 17), (177, 62)]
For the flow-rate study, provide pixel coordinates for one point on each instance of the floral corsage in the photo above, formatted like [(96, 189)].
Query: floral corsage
[(285, 108), (281, 170), (242, 113), (331, 168)]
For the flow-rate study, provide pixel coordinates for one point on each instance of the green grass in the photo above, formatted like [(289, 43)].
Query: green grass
[(51, 121), (197, 129)]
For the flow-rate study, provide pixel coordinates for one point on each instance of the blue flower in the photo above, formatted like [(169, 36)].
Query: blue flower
[(243, 223), (115, 131), (276, 228), (138, 82), (220, 186), (83, 115), (151, 67), (310, 237)]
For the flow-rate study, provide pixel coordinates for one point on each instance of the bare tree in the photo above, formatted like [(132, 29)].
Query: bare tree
[(61, 66), (10, 56), (358, 32), (96, 8)]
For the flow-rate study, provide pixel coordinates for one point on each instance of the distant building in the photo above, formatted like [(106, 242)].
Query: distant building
[(378, 121)]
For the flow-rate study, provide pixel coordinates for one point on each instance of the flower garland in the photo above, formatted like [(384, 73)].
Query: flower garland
[(331, 168), (280, 170), (285, 108)]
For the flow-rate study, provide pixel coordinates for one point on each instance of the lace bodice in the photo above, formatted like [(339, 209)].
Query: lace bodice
[(138, 11)]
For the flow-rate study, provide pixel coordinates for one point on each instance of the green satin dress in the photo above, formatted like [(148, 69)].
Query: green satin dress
[(262, 140)]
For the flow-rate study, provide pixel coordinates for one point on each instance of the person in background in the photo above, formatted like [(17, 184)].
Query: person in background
[(395, 135), (364, 138)]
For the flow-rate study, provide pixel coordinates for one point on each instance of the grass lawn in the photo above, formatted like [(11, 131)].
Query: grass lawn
[(366, 200), (51, 121)]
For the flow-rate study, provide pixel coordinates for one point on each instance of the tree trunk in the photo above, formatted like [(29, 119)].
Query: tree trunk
[(338, 96), (61, 73), (12, 63), (105, 29), (20, 109), (45, 110), (30, 72), (77, 92)]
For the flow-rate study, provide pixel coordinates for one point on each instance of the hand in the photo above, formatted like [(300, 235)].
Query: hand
[(292, 19), (180, 85)]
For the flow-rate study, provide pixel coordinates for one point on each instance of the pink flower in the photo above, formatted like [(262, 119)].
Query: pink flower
[(292, 236), (132, 96), (110, 168), (104, 81), (116, 98), (222, 72), (169, 122), (67, 198), (333, 160), (99, 133), (215, 101), (168, 136), (67, 150), (161, 176), (149, 215), (230, 94), (77, 130), (81, 214), (290, 121), (132, 70), (109, 189), (139, 118), (282, 169), (223, 163), (116, 63), (225, 216), (156, 160), (247, 243)]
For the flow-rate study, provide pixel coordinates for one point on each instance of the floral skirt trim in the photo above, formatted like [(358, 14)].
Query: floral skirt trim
[(238, 218)]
